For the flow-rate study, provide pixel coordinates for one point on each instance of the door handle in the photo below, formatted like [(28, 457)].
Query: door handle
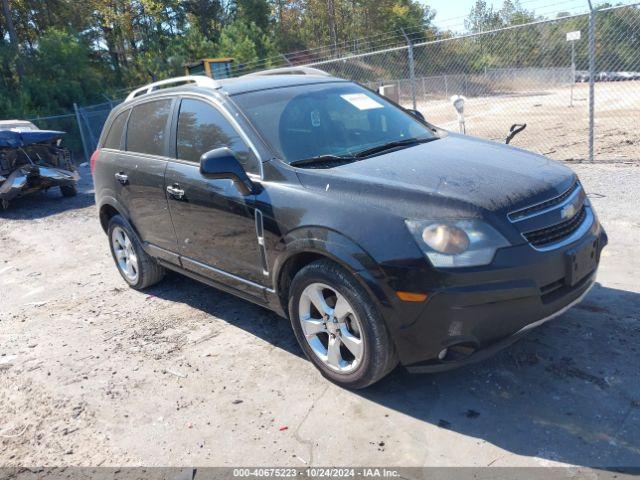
[(122, 177), (175, 191)]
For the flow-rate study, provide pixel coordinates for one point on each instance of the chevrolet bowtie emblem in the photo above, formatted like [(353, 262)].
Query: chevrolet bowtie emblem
[(568, 211)]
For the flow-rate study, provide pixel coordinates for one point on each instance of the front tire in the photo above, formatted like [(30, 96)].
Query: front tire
[(138, 268), (339, 327)]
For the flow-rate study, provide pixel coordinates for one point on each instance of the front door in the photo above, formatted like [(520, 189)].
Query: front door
[(215, 224)]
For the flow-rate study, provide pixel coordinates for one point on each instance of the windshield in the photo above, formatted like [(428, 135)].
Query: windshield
[(340, 119)]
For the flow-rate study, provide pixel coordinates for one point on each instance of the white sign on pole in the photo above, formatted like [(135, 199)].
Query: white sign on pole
[(573, 36)]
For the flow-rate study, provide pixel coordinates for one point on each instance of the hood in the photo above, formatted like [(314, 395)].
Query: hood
[(17, 139), (458, 171)]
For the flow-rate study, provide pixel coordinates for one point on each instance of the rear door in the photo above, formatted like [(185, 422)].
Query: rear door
[(215, 224), (140, 174)]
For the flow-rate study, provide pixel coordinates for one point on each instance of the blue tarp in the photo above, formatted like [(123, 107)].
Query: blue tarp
[(13, 139)]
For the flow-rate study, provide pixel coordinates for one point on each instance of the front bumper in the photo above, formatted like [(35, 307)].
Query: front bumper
[(476, 312), (461, 359)]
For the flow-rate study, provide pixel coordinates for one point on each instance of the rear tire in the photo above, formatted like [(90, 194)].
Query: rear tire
[(347, 317), (138, 269), (68, 190)]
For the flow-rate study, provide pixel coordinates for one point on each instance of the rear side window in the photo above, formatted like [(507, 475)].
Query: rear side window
[(201, 128), (147, 127), (115, 132)]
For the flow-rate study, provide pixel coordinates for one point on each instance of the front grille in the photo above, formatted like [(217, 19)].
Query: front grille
[(558, 232), (531, 210)]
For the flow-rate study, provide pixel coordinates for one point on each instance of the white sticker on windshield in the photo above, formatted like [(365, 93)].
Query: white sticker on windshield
[(361, 101), (315, 118)]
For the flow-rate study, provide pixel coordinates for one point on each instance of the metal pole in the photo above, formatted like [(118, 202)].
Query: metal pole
[(573, 69), (92, 138), (412, 73), (108, 100), (592, 74), (84, 143)]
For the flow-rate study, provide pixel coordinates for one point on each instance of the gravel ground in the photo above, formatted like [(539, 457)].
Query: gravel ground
[(93, 373)]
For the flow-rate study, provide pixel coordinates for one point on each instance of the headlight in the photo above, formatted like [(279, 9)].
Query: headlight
[(446, 238), (457, 243)]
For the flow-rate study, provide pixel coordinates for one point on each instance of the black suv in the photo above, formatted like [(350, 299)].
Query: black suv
[(381, 237)]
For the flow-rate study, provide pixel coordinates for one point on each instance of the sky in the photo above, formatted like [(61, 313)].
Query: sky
[(451, 13)]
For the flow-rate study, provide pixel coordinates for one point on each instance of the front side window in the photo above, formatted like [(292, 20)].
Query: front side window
[(147, 127), (115, 132), (201, 127), (341, 118)]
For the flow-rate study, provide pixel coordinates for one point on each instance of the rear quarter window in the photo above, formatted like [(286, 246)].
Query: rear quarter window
[(147, 127), (114, 136)]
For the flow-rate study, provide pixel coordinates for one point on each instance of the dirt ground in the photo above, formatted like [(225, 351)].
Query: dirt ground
[(94, 373), (554, 128)]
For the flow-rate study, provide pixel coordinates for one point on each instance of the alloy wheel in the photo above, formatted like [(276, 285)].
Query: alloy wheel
[(331, 327), (126, 257)]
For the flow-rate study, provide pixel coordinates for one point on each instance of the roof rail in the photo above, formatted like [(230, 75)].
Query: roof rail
[(198, 80), (290, 71)]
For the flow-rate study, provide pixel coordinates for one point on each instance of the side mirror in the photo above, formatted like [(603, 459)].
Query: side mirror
[(416, 114), (222, 163)]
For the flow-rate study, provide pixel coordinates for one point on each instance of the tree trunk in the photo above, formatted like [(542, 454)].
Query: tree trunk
[(107, 34), (280, 20), (333, 30), (13, 37)]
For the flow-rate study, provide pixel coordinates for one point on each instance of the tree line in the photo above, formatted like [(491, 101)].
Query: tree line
[(56, 52)]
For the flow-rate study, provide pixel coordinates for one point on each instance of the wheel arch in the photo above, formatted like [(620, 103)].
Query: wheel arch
[(110, 207), (107, 212), (306, 245)]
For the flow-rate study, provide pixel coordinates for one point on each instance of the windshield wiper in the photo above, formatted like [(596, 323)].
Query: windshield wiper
[(391, 145), (330, 158), (322, 159)]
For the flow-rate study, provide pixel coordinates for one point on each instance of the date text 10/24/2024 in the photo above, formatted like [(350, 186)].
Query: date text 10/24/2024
[(317, 472)]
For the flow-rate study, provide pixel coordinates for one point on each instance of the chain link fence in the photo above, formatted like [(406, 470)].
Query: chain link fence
[(90, 120), (523, 74), (83, 127)]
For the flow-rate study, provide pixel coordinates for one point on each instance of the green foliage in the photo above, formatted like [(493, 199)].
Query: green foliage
[(483, 17), (257, 12), (57, 73), (245, 42), (61, 64), (187, 48)]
